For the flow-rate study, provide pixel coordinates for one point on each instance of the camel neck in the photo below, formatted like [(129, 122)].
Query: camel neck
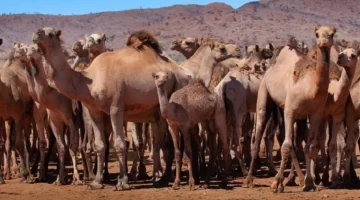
[(67, 81), (163, 101), (322, 66), (202, 64)]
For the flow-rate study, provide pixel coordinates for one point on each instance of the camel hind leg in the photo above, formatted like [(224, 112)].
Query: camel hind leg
[(264, 107)]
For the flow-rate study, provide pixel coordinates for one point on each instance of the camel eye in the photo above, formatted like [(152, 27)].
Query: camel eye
[(317, 35), (353, 56), (98, 41), (51, 35), (156, 76)]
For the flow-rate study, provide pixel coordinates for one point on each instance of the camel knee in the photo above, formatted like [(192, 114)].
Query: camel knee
[(286, 148), (177, 155), (99, 147)]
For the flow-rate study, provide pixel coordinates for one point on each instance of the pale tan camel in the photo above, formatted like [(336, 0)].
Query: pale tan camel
[(16, 103), (58, 108), (119, 95), (339, 89), (300, 86), (95, 44), (352, 115)]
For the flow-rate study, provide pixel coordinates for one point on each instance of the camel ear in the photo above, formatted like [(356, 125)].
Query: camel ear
[(358, 52), (257, 48), (271, 47), (153, 75), (246, 49), (333, 29), (58, 33), (316, 29), (103, 37)]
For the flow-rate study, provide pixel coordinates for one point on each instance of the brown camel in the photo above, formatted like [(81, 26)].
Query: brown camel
[(300, 86), (82, 56), (15, 104), (183, 112), (120, 95), (56, 106)]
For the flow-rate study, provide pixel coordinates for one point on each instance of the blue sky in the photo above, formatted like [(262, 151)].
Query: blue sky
[(68, 7)]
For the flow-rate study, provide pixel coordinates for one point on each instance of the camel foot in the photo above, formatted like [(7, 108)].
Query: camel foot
[(291, 182), (122, 186), (28, 180), (95, 186), (277, 185), (205, 186), (2, 181), (161, 182), (77, 182), (176, 186), (192, 187), (308, 188), (58, 183), (249, 182)]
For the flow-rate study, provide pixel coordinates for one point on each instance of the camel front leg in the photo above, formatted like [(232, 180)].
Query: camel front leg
[(22, 151), (58, 131), (7, 171), (311, 150), (39, 116), (119, 138), (97, 121), (136, 129), (74, 146)]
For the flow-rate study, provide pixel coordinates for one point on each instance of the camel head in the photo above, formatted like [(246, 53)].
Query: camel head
[(161, 78), (187, 45), (252, 49), (268, 51), (48, 39), (78, 46), (33, 52), (1, 41), (251, 62), (348, 58), (95, 42), (324, 36), (19, 51), (221, 51)]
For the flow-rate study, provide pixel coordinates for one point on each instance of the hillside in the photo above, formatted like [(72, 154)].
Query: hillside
[(256, 22)]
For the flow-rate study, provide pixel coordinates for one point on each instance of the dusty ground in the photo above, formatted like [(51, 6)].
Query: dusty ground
[(144, 190)]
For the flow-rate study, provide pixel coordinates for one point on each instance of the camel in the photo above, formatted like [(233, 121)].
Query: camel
[(82, 55), (16, 104), (95, 44), (209, 54), (339, 89), (58, 108), (183, 112), (109, 95), (304, 93)]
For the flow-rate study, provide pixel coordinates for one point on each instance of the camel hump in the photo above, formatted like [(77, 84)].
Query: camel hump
[(140, 38)]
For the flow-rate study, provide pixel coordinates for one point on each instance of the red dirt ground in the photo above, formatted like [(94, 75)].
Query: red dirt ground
[(144, 191)]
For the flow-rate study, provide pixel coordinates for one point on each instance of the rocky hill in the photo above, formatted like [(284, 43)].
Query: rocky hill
[(256, 22)]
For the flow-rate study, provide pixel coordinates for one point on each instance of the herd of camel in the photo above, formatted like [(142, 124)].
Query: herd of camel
[(306, 98)]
